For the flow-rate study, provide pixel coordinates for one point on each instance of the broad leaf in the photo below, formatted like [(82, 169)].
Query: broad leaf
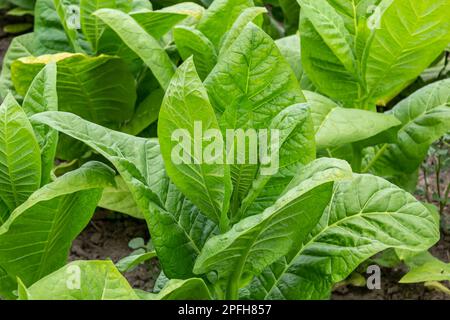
[(137, 159), (411, 35), (258, 241), (296, 149), (366, 215), (142, 43), (36, 238), (252, 78), (247, 16), (99, 89), (178, 228), (42, 96), (179, 232), (81, 280), (118, 198), (20, 157), (185, 106), (50, 36), (336, 126), (327, 51), (425, 117)]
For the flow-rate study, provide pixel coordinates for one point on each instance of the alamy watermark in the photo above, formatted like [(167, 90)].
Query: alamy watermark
[(73, 20), (236, 146)]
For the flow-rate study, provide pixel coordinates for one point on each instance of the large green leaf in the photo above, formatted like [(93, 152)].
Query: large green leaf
[(411, 35), (296, 149), (366, 215), (142, 43), (179, 232), (336, 126), (137, 159), (220, 16), (330, 26), (185, 106), (253, 79), (178, 228), (81, 280), (176, 225), (258, 241), (21, 46), (50, 36), (42, 96), (99, 89), (425, 117), (36, 238), (20, 157), (93, 28)]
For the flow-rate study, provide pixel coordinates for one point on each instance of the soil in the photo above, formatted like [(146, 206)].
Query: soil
[(107, 237)]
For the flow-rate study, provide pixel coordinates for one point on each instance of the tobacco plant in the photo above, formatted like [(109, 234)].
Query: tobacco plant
[(288, 236), (227, 231)]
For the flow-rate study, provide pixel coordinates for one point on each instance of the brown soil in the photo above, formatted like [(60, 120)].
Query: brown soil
[(107, 238)]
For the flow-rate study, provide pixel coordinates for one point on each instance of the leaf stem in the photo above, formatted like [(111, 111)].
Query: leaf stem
[(375, 159)]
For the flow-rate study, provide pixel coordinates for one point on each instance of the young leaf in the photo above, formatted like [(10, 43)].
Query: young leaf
[(254, 74), (42, 96), (91, 280), (143, 44), (20, 157), (319, 55), (219, 18), (132, 261), (424, 268), (191, 42), (247, 16), (186, 105), (330, 26)]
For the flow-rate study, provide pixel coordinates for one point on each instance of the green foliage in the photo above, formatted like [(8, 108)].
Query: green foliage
[(114, 90)]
